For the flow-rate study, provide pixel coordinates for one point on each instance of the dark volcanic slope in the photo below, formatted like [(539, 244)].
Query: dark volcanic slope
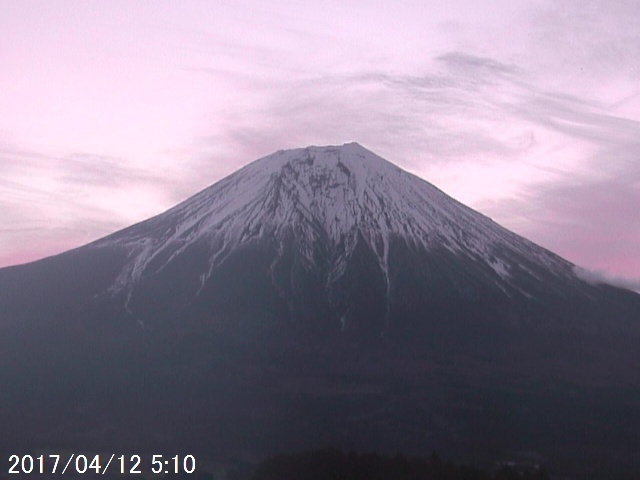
[(320, 295)]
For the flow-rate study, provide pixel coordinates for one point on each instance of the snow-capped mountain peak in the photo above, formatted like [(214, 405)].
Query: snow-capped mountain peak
[(333, 197)]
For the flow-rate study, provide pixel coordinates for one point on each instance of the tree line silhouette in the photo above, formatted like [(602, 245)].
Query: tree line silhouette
[(334, 464)]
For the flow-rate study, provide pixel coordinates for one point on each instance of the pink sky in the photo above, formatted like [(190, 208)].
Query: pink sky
[(526, 111)]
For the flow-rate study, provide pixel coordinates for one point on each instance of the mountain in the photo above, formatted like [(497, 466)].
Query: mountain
[(320, 296)]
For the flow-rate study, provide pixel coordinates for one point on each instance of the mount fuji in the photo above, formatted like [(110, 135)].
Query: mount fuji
[(321, 296)]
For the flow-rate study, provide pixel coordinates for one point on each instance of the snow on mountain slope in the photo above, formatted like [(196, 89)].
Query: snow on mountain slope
[(333, 195)]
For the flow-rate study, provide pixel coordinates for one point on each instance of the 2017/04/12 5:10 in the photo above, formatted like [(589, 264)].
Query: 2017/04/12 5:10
[(27, 464)]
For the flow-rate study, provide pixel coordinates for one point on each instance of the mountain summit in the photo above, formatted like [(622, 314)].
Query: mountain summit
[(319, 296)]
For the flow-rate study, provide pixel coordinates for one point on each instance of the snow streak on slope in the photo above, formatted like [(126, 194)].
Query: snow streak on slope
[(329, 195)]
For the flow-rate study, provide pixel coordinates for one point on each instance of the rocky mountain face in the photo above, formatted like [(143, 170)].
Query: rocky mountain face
[(320, 296)]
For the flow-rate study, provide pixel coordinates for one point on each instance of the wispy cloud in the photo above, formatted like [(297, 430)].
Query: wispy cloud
[(50, 202), (480, 69), (596, 277)]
